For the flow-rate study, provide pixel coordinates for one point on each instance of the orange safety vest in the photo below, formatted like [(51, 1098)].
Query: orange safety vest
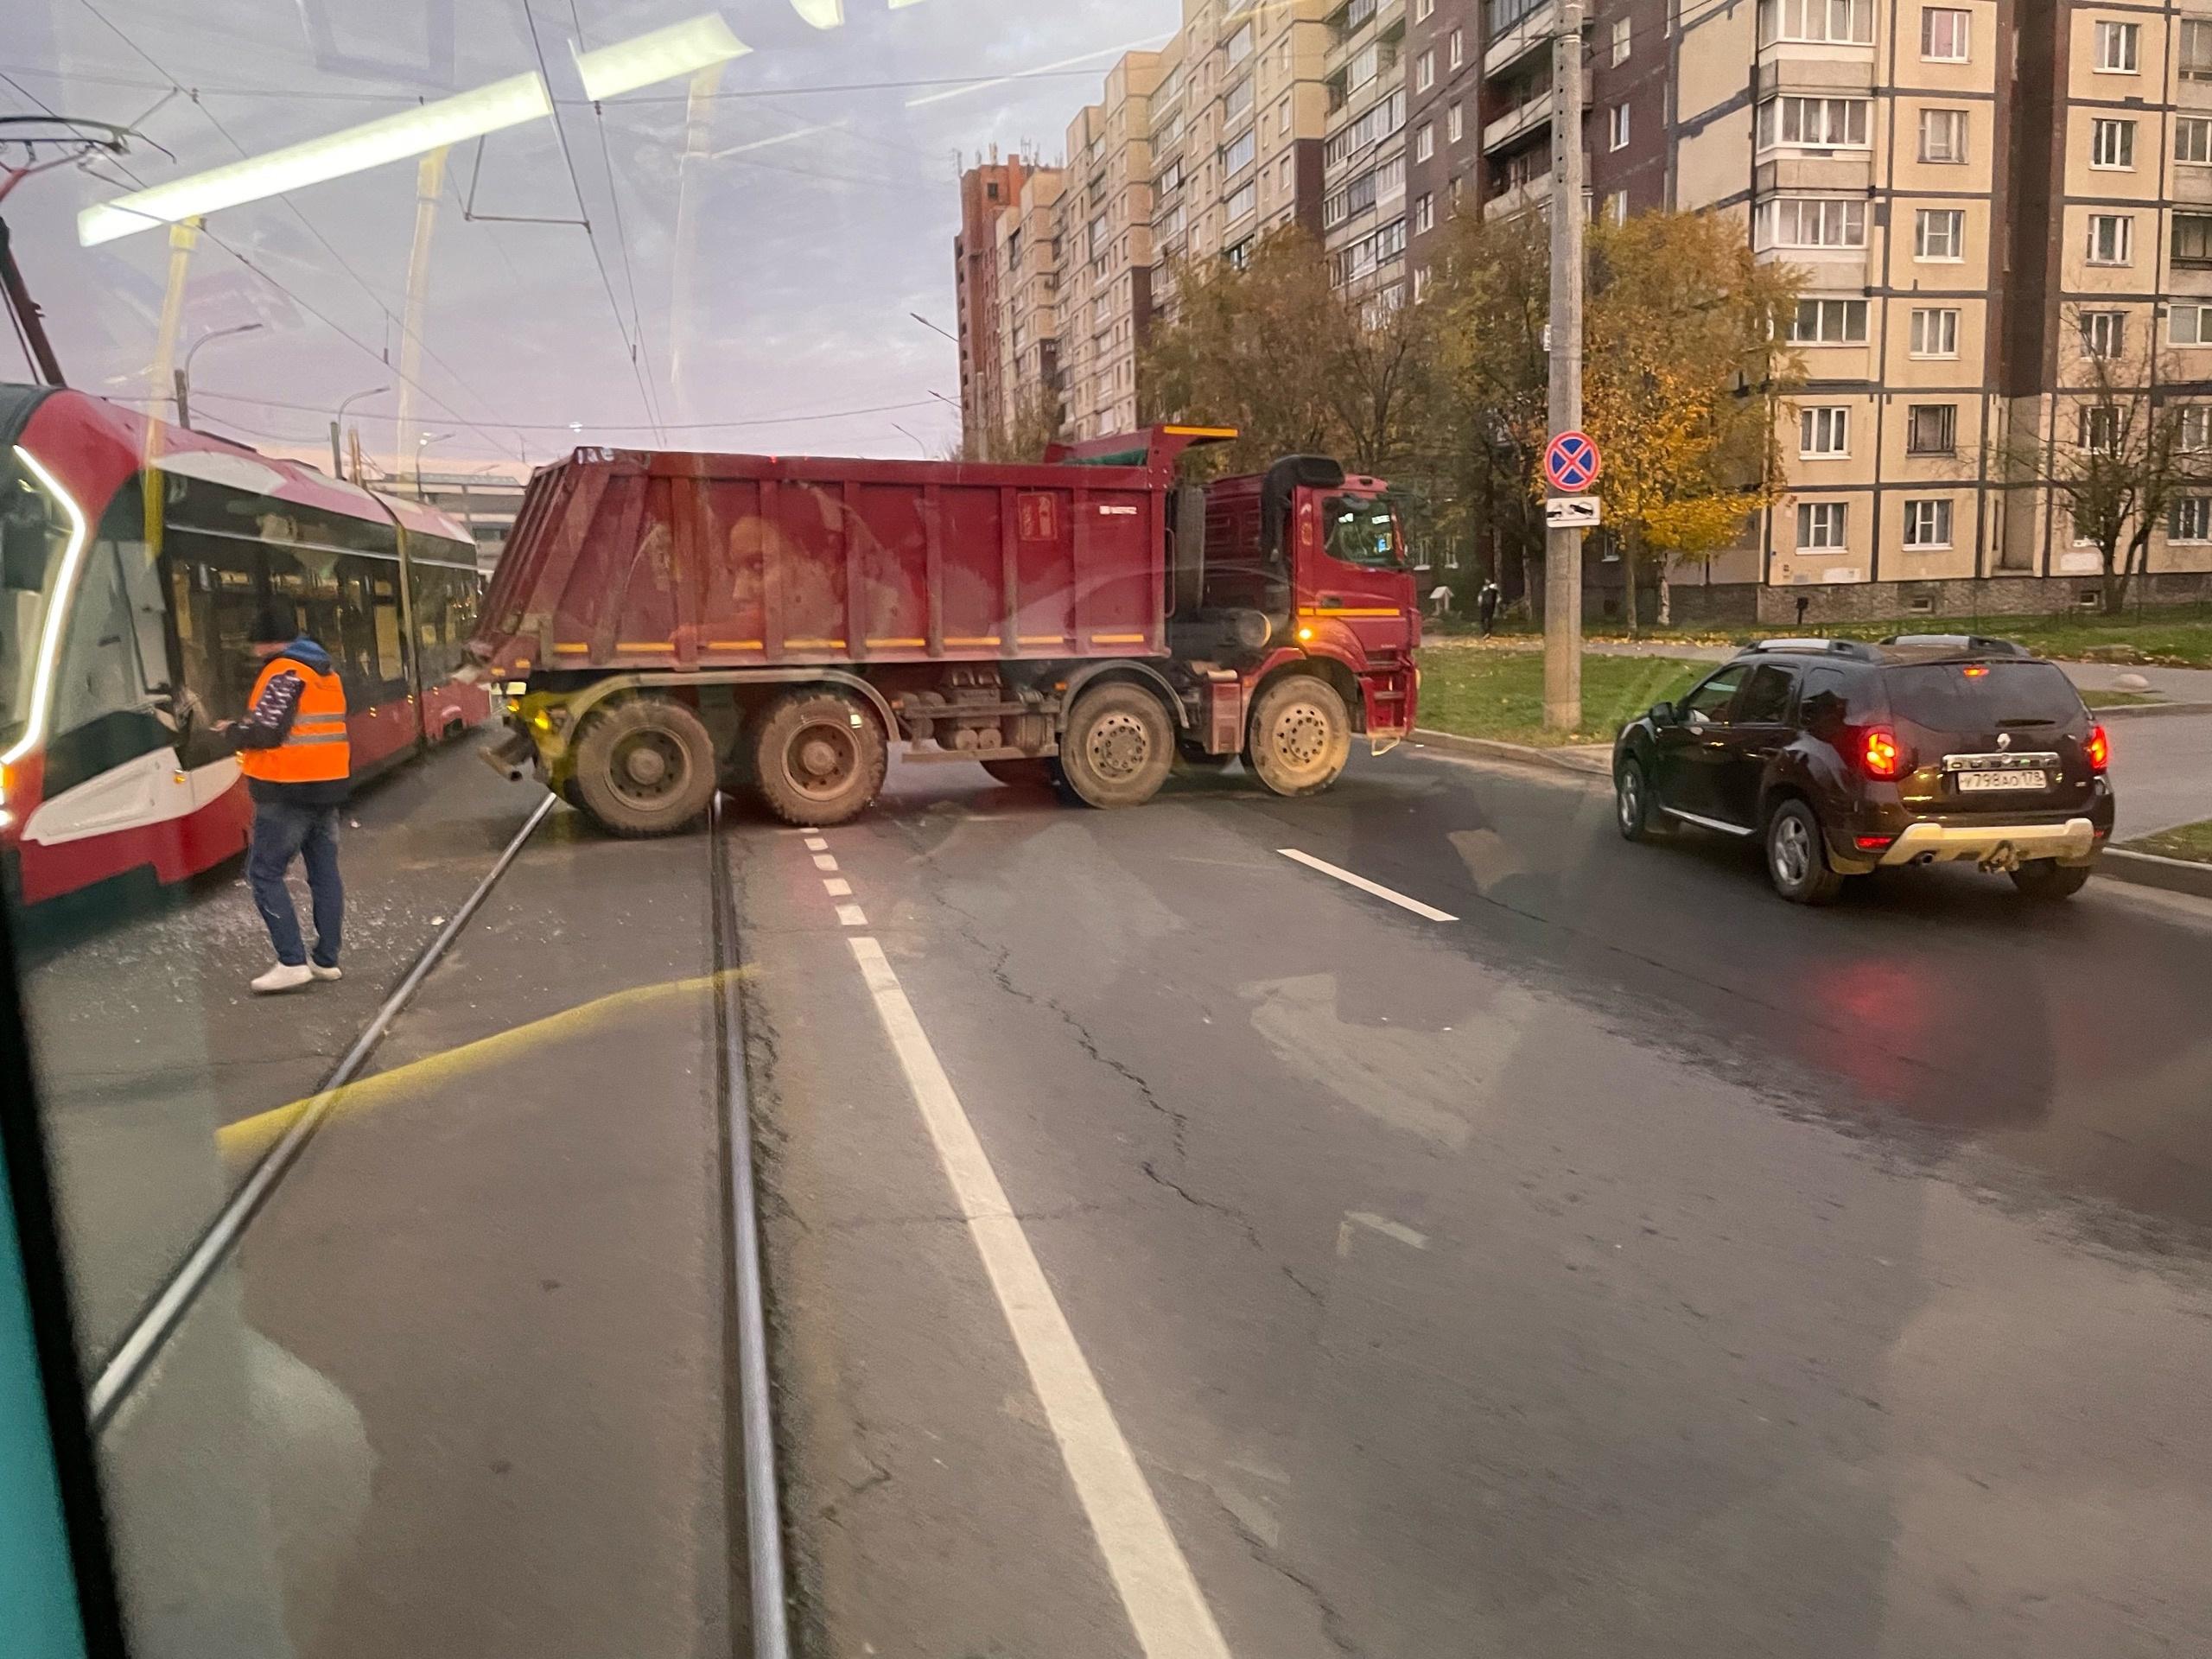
[(315, 750)]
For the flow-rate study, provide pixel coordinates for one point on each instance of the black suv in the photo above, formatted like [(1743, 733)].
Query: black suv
[(1845, 757)]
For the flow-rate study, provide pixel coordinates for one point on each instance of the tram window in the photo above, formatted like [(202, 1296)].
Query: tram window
[(390, 657)]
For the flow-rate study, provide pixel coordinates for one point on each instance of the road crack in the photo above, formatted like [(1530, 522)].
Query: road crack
[(1333, 1625)]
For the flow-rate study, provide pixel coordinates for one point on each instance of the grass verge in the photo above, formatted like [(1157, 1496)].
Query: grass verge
[(2191, 841), (2097, 699), (1500, 694), (2162, 641)]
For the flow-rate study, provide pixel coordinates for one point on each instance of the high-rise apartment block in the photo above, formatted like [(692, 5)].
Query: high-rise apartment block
[(986, 191), (1994, 203)]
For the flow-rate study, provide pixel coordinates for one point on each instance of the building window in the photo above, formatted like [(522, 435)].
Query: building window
[(1813, 222), (1424, 142), (1424, 213), (2193, 139), (2190, 519), (1823, 433), (1619, 128), (1942, 135), (1423, 10), (2104, 333), (1621, 32), (1931, 429), (1425, 72), (2189, 323), (1820, 122), (1242, 202), (1849, 22), (2192, 241), (2112, 144), (1829, 322), (2098, 428), (1458, 47), (2112, 239), (1237, 100), (2195, 49), (1928, 524), (1617, 206), (1934, 332), (1819, 524), (1239, 155), (1939, 233), (1944, 34), (1240, 46), (1455, 124), (2194, 436), (2119, 48)]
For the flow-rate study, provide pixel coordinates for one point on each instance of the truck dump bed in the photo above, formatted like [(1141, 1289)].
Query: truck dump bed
[(631, 560)]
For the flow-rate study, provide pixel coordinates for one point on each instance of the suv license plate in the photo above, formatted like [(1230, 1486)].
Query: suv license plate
[(1974, 782)]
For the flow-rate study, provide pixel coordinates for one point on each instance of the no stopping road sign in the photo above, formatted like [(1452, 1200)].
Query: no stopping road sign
[(1571, 462)]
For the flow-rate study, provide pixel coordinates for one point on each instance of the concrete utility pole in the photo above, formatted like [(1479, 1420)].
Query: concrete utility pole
[(1563, 548)]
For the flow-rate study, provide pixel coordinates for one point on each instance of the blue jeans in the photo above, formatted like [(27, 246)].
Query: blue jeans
[(283, 832)]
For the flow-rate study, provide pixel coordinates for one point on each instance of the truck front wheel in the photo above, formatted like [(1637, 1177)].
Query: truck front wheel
[(1119, 746), (1300, 736), (818, 758), (644, 767)]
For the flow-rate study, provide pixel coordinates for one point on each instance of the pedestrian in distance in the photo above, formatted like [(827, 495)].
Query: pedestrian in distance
[(293, 749), (1486, 604)]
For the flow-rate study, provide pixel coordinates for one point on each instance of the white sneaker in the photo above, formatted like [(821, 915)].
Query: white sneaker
[(282, 977), (321, 972)]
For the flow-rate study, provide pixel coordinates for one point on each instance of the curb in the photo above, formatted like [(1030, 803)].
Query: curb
[(2151, 870), (2142, 711), (1491, 748)]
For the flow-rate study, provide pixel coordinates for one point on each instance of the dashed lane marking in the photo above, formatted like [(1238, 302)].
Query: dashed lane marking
[(1366, 885), (837, 886), (851, 916), (1157, 1591), (1383, 1224), (816, 844), (824, 861)]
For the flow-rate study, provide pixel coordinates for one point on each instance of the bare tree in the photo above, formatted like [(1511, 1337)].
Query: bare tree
[(2124, 444)]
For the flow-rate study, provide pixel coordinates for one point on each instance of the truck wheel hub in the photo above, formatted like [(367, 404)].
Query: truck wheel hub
[(1119, 746), (648, 766), (1302, 735), (822, 760)]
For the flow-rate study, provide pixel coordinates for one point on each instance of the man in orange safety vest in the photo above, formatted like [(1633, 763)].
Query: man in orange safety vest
[(292, 747)]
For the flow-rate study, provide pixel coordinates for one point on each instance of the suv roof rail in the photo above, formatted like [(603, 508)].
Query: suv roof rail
[(1962, 642), (1856, 648)]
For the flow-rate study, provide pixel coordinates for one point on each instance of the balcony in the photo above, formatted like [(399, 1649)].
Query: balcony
[(1530, 192), (1514, 37), (1517, 124)]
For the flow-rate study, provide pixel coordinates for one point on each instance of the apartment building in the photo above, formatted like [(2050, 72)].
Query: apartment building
[(1028, 323), (986, 190), (1238, 120), (1106, 249), (1364, 224), (1444, 121)]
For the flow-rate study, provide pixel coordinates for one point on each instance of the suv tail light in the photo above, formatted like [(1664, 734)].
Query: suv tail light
[(1880, 755), (2098, 749)]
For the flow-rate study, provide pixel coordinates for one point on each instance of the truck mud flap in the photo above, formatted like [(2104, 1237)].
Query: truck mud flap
[(514, 760)]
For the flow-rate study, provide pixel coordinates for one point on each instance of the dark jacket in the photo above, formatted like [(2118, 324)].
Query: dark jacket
[(269, 723)]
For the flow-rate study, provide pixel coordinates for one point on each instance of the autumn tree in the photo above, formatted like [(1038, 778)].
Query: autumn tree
[(1686, 362), (2122, 449), (1033, 423)]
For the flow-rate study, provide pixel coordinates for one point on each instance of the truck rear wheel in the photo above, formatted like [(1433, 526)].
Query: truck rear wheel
[(1119, 746), (644, 767), (1300, 736), (818, 758)]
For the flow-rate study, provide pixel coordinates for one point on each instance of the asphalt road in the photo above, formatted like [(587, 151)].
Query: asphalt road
[(1631, 1264)]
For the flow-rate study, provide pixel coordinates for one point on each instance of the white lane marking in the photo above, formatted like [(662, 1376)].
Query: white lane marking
[(1366, 885), (1162, 1598), (824, 861), (1383, 1224), (851, 916), (816, 844), (837, 886)]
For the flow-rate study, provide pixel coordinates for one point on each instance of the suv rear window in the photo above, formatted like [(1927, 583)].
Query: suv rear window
[(1948, 697)]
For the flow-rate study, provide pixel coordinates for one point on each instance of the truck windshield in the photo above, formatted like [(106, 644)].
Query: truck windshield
[(1361, 531), (33, 537)]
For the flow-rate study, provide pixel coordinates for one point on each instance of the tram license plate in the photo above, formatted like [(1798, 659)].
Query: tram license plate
[(1972, 782)]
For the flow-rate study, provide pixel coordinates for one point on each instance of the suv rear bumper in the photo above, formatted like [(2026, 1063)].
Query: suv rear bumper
[(2072, 839)]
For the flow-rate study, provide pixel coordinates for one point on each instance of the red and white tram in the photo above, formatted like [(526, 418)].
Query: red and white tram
[(126, 607)]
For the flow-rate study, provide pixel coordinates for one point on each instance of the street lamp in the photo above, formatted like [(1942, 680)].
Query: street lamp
[(184, 373), (932, 327), (421, 444), (918, 444), (338, 461)]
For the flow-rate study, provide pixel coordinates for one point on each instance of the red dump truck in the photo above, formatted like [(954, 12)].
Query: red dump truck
[(664, 624)]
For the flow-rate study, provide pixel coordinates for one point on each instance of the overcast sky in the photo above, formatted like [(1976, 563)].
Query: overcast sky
[(811, 250)]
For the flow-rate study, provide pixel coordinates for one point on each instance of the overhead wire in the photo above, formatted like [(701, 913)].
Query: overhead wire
[(568, 157), (298, 212), (604, 426), (614, 198)]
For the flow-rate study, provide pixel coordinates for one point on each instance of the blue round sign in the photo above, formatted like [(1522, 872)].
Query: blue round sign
[(1571, 462)]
